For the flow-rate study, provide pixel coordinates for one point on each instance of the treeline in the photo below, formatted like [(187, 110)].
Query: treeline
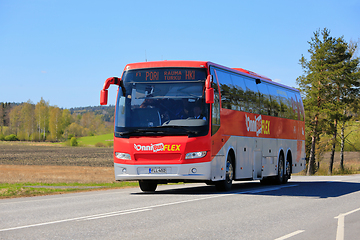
[(42, 122)]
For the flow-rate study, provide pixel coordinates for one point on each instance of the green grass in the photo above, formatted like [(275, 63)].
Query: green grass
[(106, 139), (8, 190)]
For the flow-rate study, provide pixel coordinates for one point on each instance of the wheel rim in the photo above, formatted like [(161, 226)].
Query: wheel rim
[(287, 168), (229, 172), (281, 168)]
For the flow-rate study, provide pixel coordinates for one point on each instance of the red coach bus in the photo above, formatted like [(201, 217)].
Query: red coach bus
[(194, 121)]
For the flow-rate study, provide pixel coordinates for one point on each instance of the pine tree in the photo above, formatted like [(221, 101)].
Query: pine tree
[(317, 86), (345, 88)]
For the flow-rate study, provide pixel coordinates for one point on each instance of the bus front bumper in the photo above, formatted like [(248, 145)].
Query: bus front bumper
[(195, 171)]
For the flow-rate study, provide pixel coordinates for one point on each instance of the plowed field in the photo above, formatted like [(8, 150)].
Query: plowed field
[(27, 162)]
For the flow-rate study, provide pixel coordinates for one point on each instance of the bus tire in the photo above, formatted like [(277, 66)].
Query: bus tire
[(225, 185), (280, 174), (287, 171), (148, 185)]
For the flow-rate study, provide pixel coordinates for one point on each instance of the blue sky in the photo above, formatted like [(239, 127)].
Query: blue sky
[(63, 50)]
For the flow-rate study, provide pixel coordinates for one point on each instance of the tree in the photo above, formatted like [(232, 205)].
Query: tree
[(343, 138), (66, 116), (75, 129), (15, 119), (344, 87), (55, 123), (329, 85), (6, 115), (2, 117), (42, 117), (314, 85), (353, 103), (27, 120)]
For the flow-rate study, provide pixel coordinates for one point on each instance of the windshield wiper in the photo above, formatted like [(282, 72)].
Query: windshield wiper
[(140, 131), (186, 130)]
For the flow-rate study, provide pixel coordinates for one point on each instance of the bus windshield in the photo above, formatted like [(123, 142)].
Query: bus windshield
[(161, 107)]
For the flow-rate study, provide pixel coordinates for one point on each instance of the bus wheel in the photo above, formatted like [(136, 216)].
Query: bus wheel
[(287, 171), (147, 185), (280, 176), (225, 185)]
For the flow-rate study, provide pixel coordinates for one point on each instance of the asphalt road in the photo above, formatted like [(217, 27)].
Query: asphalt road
[(305, 208)]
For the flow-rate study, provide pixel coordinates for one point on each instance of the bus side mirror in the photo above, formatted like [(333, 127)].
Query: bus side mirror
[(104, 91), (209, 95), (103, 97), (209, 91)]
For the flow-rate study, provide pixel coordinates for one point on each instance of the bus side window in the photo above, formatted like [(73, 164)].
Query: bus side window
[(284, 112), (265, 103), (292, 105), (300, 106), (215, 111), (252, 96), (226, 88), (275, 101), (240, 103)]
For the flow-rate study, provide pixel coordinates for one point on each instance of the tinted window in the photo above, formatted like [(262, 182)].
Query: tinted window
[(226, 88), (239, 93), (215, 112), (300, 106), (252, 96), (282, 95), (275, 101), (264, 96), (292, 105)]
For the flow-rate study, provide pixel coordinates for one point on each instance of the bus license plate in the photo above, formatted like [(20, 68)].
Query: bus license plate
[(157, 170)]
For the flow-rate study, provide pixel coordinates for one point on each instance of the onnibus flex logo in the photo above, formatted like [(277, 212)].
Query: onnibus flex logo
[(158, 147), (257, 125)]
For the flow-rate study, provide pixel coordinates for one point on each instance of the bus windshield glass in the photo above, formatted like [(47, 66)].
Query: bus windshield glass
[(162, 102)]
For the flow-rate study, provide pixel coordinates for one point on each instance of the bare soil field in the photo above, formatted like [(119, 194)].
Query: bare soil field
[(54, 155), (48, 163)]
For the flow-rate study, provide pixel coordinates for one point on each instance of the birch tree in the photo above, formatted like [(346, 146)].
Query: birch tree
[(55, 123), (42, 118)]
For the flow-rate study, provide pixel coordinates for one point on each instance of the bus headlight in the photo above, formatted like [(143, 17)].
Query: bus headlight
[(193, 155), (123, 156)]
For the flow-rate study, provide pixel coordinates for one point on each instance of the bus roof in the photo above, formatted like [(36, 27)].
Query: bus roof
[(192, 64), (162, 64), (197, 64)]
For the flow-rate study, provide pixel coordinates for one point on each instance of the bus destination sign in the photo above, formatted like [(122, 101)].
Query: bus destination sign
[(167, 74)]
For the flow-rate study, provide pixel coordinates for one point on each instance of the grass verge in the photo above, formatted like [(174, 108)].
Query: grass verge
[(28, 189), (106, 140)]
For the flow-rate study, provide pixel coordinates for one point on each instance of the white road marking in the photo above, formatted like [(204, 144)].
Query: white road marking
[(112, 214), (340, 233), (290, 235), (79, 218), (142, 209)]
